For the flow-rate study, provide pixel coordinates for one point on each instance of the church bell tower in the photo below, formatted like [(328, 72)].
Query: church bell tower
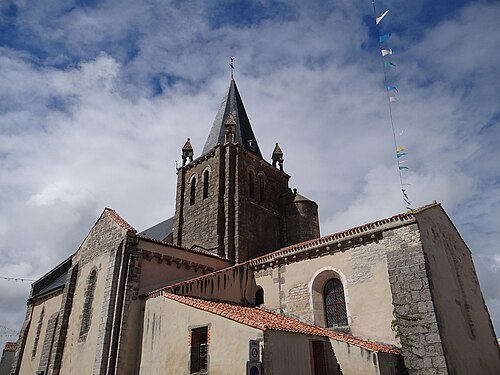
[(230, 201)]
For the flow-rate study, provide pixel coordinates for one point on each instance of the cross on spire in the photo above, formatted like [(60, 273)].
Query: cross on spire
[(231, 64)]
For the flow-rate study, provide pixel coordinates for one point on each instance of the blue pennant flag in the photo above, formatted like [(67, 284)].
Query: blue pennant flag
[(401, 167), (401, 154), (389, 88), (404, 194), (384, 38), (388, 64)]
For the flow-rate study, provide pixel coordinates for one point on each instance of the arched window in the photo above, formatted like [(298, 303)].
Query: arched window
[(262, 188), (192, 197), (251, 184), (259, 297), (205, 184), (87, 305), (335, 308), (38, 331)]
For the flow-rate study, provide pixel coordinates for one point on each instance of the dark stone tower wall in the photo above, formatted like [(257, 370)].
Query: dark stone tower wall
[(231, 221), (243, 212), (201, 225), (260, 219), (302, 221)]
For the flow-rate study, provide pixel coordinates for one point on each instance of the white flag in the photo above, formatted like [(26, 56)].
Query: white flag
[(392, 99), (386, 52), (378, 19)]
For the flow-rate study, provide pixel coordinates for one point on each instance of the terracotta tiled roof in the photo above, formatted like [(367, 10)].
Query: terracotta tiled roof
[(10, 346), (265, 319), (119, 220)]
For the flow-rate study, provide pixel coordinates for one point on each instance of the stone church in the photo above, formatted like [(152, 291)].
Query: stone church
[(240, 281)]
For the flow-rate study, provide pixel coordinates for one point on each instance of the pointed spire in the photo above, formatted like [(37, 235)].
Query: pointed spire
[(278, 156), (244, 135), (187, 152)]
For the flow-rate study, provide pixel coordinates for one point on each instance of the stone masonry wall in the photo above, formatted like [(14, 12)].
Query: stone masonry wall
[(414, 310), (199, 223), (259, 219), (48, 343)]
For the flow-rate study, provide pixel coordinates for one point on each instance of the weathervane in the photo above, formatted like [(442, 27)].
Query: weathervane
[(231, 64)]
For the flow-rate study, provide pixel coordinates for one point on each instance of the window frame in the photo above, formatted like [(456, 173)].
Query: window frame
[(334, 301), (198, 356)]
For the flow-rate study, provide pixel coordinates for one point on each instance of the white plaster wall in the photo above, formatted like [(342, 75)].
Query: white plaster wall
[(166, 334), (354, 360), (363, 271), (29, 365)]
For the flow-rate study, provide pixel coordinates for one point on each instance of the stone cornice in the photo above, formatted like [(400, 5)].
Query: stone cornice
[(160, 258), (335, 242)]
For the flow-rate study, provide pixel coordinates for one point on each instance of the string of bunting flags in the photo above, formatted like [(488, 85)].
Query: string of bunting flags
[(392, 91), (16, 279)]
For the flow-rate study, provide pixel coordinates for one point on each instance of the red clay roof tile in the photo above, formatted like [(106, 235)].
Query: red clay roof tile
[(265, 319), (119, 220), (10, 346)]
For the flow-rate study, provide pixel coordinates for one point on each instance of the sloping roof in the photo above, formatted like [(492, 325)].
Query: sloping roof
[(57, 283), (233, 104), (119, 220), (264, 319), (10, 346), (159, 231)]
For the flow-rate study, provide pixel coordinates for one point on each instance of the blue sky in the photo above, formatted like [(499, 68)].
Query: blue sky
[(98, 97)]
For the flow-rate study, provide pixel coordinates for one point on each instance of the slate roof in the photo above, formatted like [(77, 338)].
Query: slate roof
[(57, 283), (233, 104), (264, 319), (159, 231)]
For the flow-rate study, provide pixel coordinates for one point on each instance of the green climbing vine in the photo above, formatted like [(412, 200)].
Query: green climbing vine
[(402, 321)]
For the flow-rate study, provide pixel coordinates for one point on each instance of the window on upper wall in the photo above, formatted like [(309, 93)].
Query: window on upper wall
[(198, 363), (192, 196), (205, 184), (87, 305), (38, 331), (335, 307), (251, 184), (262, 188)]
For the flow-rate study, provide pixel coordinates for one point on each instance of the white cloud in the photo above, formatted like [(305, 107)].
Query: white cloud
[(91, 134)]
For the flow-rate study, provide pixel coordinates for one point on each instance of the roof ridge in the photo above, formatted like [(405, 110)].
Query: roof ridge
[(271, 320), (113, 215)]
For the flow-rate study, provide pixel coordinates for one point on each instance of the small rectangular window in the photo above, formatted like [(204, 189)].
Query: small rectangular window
[(199, 351)]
